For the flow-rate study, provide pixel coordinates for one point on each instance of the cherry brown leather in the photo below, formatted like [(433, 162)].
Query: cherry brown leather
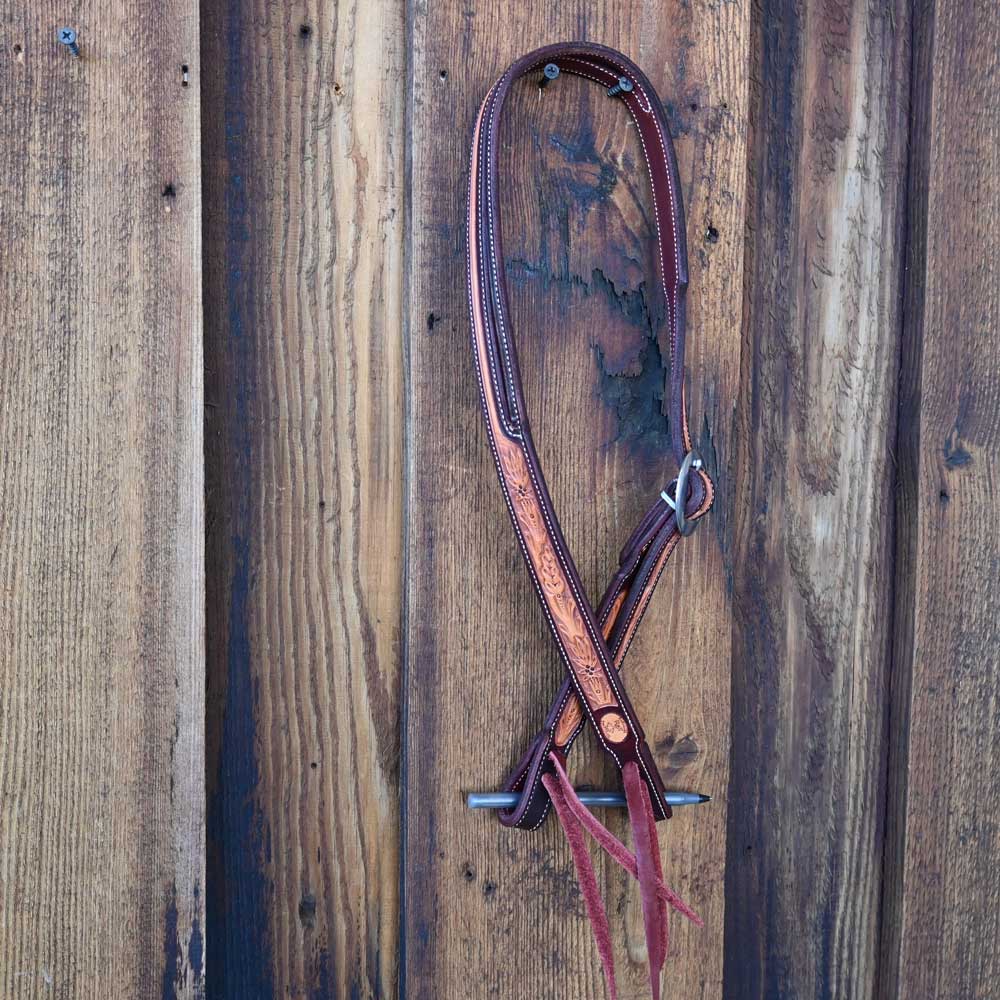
[(591, 643)]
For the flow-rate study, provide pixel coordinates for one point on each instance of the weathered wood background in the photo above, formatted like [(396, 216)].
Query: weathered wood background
[(245, 220), (102, 827)]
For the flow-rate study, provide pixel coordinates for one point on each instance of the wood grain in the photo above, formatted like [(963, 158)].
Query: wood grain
[(101, 505), (814, 528), (942, 931), (304, 173), (487, 911)]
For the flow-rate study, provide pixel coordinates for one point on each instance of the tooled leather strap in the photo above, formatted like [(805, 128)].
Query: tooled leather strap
[(641, 564), (592, 645)]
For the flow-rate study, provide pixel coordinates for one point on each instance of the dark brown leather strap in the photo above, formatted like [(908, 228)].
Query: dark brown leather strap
[(592, 645)]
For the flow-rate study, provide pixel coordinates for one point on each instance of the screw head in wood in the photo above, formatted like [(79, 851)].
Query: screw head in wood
[(623, 86), (550, 72), (67, 36)]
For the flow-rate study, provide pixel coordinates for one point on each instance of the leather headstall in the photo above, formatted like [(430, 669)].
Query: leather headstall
[(591, 642)]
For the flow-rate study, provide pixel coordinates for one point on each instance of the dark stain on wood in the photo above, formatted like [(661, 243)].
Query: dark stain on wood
[(582, 176), (675, 754), (172, 958), (633, 366), (551, 877), (239, 894), (307, 910), (237, 834), (196, 953), (322, 982), (955, 454), (183, 962), (635, 395)]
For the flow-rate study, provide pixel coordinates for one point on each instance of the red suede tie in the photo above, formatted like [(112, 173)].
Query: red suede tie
[(644, 865), (573, 829), (647, 856)]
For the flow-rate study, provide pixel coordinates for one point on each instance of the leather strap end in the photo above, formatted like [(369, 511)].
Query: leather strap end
[(533, 805)]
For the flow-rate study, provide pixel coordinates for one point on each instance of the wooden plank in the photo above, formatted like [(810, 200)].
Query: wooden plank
[(815, 511), (101, 505), (942, 931), (491, 912), (304, 172)]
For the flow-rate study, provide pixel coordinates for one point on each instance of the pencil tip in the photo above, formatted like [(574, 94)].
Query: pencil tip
[(704, 798)]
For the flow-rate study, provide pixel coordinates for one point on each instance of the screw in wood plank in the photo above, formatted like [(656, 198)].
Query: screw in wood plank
[(550, 72), (68, 38), (623, 86)]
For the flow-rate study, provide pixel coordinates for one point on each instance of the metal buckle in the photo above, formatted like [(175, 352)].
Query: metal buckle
[(692, 460)]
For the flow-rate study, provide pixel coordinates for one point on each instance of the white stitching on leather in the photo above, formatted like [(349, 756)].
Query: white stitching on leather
[(495, 283), (483, 283)]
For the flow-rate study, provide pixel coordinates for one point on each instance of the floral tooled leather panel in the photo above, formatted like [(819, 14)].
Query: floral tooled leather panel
[(555, 586)]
